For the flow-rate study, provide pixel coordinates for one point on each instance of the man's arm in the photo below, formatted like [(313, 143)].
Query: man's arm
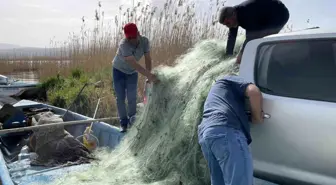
[(132, 62), (130, 59), (148, 61), (148, 58), (255, 97), (231, 40), (240, 53), (249, 36)]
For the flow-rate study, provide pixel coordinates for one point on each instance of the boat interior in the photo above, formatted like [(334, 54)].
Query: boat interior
[(11, 145)]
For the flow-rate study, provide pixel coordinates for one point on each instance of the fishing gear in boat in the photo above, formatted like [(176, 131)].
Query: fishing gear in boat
[(90, 141)]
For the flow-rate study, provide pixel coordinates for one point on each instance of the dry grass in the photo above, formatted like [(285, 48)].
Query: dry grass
[(171, 32)]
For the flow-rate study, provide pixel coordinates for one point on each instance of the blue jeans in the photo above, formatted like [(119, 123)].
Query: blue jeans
[(227, 154), (125, 85)]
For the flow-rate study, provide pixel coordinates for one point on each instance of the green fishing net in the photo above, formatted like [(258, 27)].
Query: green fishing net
[(162, 147)]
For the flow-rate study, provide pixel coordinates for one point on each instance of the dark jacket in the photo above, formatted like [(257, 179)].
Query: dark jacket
[(258, 15)]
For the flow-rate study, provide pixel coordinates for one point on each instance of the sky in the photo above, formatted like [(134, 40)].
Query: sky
[(34, 22)]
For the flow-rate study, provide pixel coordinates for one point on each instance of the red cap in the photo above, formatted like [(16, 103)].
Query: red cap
[(130, 30)]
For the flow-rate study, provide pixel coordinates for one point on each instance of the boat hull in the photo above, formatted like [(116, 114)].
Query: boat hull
[(10, 90)]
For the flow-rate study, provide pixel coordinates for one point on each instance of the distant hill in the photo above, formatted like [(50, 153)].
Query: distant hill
[(8, 46), (16, 51)]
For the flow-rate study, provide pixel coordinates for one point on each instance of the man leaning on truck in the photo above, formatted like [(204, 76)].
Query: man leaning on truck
[(224, 133), (259, 18)]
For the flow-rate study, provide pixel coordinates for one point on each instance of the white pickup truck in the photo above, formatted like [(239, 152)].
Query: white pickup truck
[(296, 73)]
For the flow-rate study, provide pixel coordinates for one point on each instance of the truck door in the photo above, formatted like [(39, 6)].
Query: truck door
[(297, 143)]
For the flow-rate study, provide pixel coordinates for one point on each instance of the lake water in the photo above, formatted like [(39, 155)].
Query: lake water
[(28, 71), (25, 76)]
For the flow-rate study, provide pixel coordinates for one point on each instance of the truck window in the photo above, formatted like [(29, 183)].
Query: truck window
[(299, 69)]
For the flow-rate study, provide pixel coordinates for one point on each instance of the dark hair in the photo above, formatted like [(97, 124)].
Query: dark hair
[(226, 12)]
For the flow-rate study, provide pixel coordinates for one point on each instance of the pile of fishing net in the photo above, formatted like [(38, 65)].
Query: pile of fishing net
[(162, 146), (55, 146)]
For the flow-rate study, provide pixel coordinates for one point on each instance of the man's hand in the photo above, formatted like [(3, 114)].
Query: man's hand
[(152, 78)]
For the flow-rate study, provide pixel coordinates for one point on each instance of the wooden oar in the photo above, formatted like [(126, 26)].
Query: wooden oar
[(31, 128)]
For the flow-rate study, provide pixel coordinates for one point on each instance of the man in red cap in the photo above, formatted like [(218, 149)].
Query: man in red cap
[(125, 72)]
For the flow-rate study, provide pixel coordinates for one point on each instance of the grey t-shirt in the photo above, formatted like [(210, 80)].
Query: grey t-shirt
[(127, 49)]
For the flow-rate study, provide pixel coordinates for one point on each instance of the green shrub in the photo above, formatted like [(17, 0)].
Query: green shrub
[(58, 101), (76, 73), (53, 83), (63, 91)]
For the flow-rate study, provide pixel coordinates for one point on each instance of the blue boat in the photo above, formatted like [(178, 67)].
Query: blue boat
[(108, 136), (9, 87)]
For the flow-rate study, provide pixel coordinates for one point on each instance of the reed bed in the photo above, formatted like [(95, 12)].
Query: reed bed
[(171, 29)]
